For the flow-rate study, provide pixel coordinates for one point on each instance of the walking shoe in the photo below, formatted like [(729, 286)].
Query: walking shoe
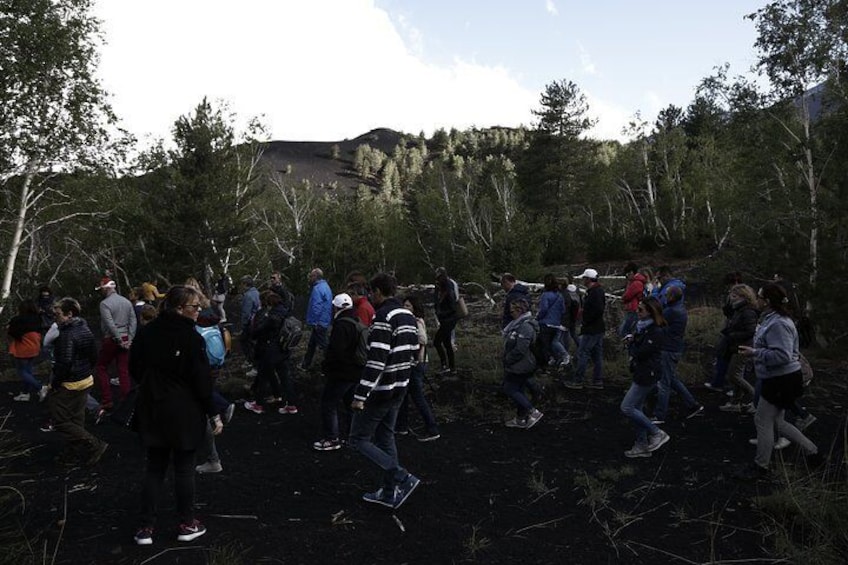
[(781, 443), (192, 531), (251, 373), (596, 385), (657, 421), (97, 454), (382, 497), (751, 472), (115, 381), (638, 450), (254, 407), (228, 413), (42, 393), (573, 385), (209, 467), (532, 418), (657, 440), (46, 426), (696, 411), (750, 408), (402, 432), (804, 423), (22, 397), (403, 490), (327, 445), (288, 409), (144, 536), (731, 406), (516, 422), (431, 435)]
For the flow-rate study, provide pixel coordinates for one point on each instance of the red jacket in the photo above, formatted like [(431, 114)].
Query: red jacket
[(364, 310), (634, 292)]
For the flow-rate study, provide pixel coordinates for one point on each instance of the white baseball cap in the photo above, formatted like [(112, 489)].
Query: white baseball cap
[(589, 274), (342, 301), (571, 288)]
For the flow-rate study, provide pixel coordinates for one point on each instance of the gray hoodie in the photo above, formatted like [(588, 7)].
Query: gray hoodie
[(775, 346)]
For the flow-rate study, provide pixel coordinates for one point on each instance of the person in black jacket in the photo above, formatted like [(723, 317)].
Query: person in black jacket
[(446, 297), (273, 363), (742, 315), (74, 356), (168, 360), (591, 334), (342, 370), (645, 364)]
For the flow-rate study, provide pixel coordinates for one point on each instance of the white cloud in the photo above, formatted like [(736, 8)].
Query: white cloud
[(551, 8), (586, 63), (317, 70)]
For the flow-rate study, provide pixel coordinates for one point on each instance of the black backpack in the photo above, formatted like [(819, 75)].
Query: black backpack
[(291, 331), (361, 353)]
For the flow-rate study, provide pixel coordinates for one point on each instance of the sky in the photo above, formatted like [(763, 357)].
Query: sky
[(328, 70)]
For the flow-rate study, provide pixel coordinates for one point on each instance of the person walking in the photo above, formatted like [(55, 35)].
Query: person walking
[(447, 314), (415, 393), (117, 324), (168, 360), (591, 334), (392, 347), (519, 363), (550, 318), (645, 347), (633, 293), (24, 331), (319, 313)]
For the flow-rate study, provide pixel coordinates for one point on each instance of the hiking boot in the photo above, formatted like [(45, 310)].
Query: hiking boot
[(403, 490), (573, 385), (42, 393), (596, 385), (327, 445), (228, 413), (254, 407), (731, 406), (382, 497), (144, 536), (22, 397), (638, 450), (430, 435), (696, 411), (209, 467), (192, 531), (46, 426), (804, 423), (657, 440), (288, 409), (751, 472), (97, 454), (532, 418)]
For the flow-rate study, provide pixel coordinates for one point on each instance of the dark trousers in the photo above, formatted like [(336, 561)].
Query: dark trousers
[(372, 433), (513, 386), (157, 466), (274, 369), (335, 392), (443, 344), (67, 409), (415, 393)]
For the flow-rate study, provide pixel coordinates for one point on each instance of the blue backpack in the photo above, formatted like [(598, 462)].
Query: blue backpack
[(216, 348)]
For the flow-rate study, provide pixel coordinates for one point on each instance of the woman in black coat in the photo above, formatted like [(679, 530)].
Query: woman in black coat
[(168, 360)]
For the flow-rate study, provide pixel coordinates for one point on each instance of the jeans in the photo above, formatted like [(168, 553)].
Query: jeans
[(631, 407), (628, 324), (569, 335), (210, 451), (721, 367), (24, 369), (552, 343), (590, 346), (372, 433), (444, 346), (415, 392), (157, 467), (768, 420), (317, 339), (335, 391), (111, 351), (668, 382), (513, 386)]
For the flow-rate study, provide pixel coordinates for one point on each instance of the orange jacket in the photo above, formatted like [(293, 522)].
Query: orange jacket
[(27, 347)]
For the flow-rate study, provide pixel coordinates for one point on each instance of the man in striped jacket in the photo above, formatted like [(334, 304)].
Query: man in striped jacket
[(392, 350)]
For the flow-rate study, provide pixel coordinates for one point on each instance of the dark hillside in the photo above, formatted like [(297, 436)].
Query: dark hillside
[(313, 161)]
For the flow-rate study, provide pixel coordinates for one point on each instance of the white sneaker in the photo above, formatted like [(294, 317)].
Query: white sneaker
[(22, 397), (115, 381), (209, 467), (42, 394), (532, 418), (656, 441)]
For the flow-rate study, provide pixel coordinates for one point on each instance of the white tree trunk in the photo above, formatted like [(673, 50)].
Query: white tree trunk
[(15, 244)]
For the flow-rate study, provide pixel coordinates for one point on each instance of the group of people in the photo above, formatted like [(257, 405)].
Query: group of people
[(375, 364)]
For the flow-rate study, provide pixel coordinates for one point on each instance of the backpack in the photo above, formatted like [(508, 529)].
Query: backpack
[(538, 351), (291, 331), (216, 346), (361, 353)]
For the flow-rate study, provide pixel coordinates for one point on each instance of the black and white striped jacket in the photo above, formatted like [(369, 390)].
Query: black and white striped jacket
[(392, 350)]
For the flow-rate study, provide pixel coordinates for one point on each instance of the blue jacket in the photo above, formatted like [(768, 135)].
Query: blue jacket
[(677, 318), (320, 309), (659, 293), (249, 307), (551, 308)]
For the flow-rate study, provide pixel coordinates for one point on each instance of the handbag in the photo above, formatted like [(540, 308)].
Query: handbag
[(461, 308), (806, 370)]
